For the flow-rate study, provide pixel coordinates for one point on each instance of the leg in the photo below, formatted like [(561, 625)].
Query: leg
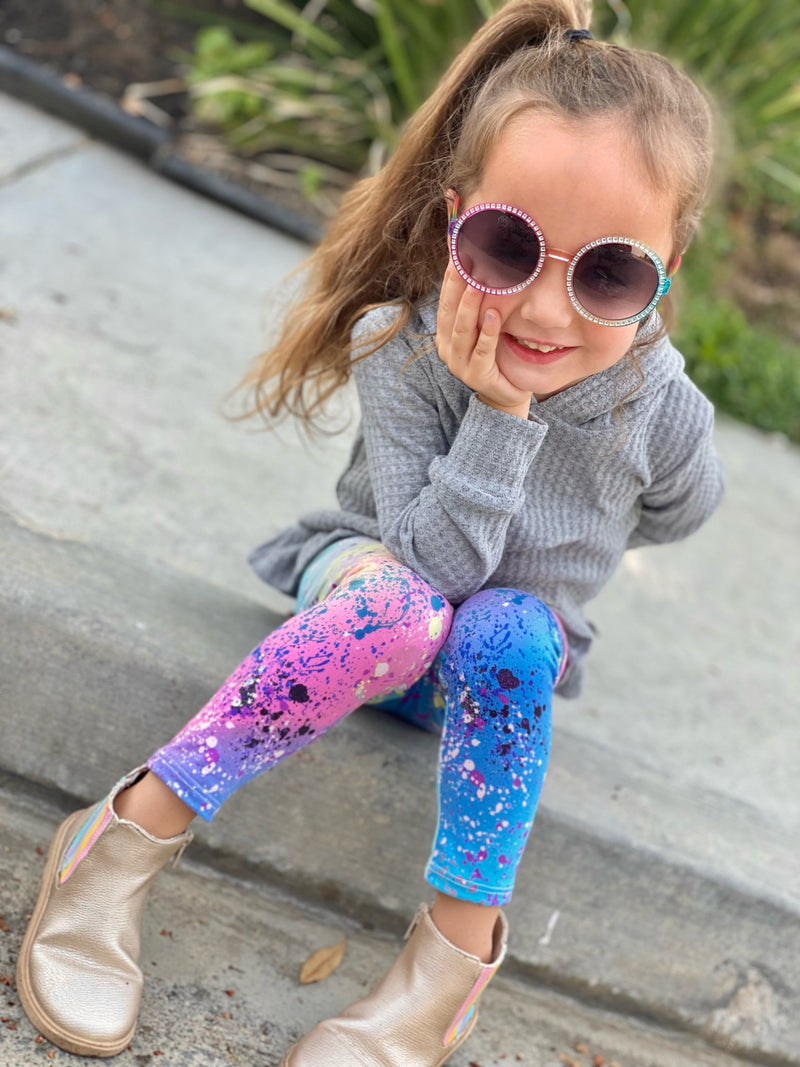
[(499, 666), (78, 973), (498, 669), (160, 811), (420, 703), (380, 628)]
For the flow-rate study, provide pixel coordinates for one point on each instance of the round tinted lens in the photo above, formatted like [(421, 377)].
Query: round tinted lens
[(615, 280), (497, 249)]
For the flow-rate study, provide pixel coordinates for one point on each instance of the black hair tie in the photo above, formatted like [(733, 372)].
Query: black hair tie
[(578, 35)]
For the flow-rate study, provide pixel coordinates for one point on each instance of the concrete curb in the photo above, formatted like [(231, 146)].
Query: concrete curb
[(102, 118), (221, 990), (126, 650)]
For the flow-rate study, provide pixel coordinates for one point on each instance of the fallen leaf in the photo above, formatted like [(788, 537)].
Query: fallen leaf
[(3, 924), (599, 1061), (582, 1047), (8, 315), (322, 963)]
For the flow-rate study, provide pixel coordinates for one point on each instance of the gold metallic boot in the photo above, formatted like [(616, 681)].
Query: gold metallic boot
[(420, 1012), (78, 977)]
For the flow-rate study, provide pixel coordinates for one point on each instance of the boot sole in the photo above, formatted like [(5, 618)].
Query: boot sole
[(81, 1046), (287, 1059)]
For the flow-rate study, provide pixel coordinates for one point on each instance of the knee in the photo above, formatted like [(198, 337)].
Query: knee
[(385, 595), (504, 631)]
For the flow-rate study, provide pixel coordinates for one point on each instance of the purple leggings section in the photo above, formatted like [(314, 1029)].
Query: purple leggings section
[(370, 630)]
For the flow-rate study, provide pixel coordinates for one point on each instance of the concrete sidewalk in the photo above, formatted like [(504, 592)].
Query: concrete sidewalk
[(663, 875)]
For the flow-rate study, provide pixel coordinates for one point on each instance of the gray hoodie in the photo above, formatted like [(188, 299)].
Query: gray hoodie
[(473, 498)]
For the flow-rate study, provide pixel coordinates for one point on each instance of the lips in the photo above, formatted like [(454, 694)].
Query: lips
[(546, 353)]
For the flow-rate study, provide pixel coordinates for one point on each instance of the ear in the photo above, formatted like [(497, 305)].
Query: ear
[(675, 264)]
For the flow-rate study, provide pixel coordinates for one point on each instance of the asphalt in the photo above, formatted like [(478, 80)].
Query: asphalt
[(658, 907)]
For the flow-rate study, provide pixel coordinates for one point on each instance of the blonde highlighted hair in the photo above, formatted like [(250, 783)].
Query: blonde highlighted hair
[(387, 242)]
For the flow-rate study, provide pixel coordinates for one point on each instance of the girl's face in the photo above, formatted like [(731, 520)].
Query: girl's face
[(580, 181)]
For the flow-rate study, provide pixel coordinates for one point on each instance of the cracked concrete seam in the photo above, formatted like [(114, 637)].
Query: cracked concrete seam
[(31, 166)]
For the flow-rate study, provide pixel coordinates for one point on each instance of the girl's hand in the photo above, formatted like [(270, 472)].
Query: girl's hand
[(466, 337)]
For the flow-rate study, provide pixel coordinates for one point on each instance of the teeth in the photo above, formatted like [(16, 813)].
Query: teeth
[(536, 348)]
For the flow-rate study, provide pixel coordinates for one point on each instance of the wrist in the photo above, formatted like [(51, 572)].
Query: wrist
[(521, 409)]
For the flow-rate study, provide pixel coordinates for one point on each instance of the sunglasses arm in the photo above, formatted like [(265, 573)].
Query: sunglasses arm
[(454, 200)]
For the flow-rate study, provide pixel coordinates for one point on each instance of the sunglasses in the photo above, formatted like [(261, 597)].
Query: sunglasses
[(498, 249)]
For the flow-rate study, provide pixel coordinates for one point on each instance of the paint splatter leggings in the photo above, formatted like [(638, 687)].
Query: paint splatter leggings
[(370, 630)]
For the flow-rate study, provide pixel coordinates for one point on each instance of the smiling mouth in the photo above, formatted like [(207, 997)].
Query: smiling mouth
[(536, 351)]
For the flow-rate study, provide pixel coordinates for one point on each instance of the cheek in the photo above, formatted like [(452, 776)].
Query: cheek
[(505, 306), (608, 344)]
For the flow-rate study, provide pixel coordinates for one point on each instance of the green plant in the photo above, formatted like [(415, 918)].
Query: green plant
[(748, 55), (337, 79), (748, 369), (265, 99)]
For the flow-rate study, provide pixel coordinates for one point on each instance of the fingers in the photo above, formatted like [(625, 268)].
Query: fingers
[(459, 327), (467, 335), (453, 288), (483, 354)]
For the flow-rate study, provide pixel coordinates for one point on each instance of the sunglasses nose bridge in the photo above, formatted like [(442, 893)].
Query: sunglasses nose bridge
[(556, 253)]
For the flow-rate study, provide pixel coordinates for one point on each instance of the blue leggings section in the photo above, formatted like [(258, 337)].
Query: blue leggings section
[(497, 670)]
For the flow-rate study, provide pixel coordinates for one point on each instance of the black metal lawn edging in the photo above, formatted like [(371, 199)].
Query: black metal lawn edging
[(105, 120)]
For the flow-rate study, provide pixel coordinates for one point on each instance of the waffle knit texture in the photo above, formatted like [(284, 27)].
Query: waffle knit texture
[(472, 498)]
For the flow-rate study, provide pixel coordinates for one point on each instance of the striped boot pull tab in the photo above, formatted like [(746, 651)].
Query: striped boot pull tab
[(470, 1005), (82, 843)]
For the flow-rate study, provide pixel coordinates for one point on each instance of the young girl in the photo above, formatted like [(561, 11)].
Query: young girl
[(525, 419)]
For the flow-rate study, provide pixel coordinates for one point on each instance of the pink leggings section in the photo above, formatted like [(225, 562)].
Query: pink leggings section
[(378, 629)]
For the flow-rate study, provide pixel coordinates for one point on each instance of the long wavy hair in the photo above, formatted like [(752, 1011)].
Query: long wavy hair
[(387, 242)]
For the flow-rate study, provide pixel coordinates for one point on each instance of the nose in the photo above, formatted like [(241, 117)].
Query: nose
[(546, 300)]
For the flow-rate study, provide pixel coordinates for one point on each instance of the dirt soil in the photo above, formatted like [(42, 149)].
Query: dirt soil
[(110, 45)]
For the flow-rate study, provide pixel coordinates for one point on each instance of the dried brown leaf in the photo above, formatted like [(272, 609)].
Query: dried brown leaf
[(322, 963)]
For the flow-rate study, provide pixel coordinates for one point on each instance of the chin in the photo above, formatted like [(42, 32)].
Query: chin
[(541, 381)]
